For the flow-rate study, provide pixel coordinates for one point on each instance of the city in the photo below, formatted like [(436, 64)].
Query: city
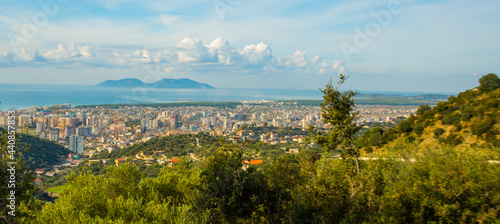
[(90, 130)]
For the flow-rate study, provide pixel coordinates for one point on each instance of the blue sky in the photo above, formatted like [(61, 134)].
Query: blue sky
[(420, 46)]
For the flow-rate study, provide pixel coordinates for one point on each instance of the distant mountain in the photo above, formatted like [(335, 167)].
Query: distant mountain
[(164, 83), (126, 83)]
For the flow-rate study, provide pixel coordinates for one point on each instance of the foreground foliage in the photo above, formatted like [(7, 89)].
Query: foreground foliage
[(440, 186)]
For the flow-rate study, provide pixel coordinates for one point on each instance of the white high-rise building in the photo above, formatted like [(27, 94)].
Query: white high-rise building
[(76, 144), (40, 127), (54, 134)]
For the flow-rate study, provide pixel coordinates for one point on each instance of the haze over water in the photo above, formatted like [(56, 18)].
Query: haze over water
[(23, 96)]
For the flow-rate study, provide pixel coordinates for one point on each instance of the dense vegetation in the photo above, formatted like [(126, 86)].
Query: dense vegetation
[(174, 145), (279, 131), (40, 153), (16, 178), (440, 186), (469, 120)]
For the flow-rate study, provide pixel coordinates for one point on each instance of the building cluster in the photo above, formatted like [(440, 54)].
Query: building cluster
[(88, 130)]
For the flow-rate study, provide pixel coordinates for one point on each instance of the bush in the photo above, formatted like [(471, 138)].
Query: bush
[(452, 118), (458, 127), (482, 126), (438, 132), (410, 139), (467, 113), (418, 129)]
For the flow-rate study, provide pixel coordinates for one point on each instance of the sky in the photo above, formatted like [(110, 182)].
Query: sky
[(391, 45)]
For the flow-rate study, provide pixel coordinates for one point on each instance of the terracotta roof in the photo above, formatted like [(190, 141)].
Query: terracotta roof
[(257, 161), (38, 180), (253, 162), (175, 160)]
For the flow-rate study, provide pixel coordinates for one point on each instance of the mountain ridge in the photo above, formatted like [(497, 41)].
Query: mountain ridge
[(167, 83)]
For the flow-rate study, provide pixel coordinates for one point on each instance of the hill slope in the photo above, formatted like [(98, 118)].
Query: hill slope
[(41, 153), (173, 146), (469, 120)]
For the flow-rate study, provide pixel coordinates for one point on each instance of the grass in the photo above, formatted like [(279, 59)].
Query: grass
[(57, 189)]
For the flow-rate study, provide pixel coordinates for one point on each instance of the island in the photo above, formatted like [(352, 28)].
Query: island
[(182, 83)]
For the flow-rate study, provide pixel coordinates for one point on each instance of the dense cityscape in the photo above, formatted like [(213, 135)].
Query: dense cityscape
[(103, 128)]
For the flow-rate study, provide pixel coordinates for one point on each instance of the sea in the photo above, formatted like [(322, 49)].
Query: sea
[(24, 96)]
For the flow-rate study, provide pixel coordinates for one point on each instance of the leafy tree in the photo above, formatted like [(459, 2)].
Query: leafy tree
[(376, 137), (337, 110), (489, 82), (423, 108), (405, 126), (230, 191), (15, 176)]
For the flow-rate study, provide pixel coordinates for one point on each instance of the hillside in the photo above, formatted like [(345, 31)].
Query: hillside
[(164, 83), (40, 153), (469, 120), (173, 146)]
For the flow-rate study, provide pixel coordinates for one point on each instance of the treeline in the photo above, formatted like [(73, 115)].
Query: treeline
[(279, 131), (174, 145), (440, 186)]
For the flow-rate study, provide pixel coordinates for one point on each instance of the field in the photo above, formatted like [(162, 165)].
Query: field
[(57, 189)]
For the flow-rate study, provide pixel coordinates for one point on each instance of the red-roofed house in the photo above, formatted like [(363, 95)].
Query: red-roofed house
[(38, 181)]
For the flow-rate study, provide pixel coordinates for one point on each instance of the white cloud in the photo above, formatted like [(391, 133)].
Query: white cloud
[(190, 54), (193, 50), (316, 59), (255, 54), (298, 59)]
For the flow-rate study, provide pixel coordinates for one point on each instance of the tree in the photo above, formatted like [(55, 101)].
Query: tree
[(422, 109), (338, 112), (229, 190), (21, 181), (489, 82)]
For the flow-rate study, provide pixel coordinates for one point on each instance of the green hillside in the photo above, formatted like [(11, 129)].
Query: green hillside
[(41, 153), (38, 152), (469, 120), (173, 146)]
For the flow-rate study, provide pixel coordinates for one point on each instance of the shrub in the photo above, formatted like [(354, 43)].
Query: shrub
[(482, 126), (452, 118), (418, 129), (438, 132)]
